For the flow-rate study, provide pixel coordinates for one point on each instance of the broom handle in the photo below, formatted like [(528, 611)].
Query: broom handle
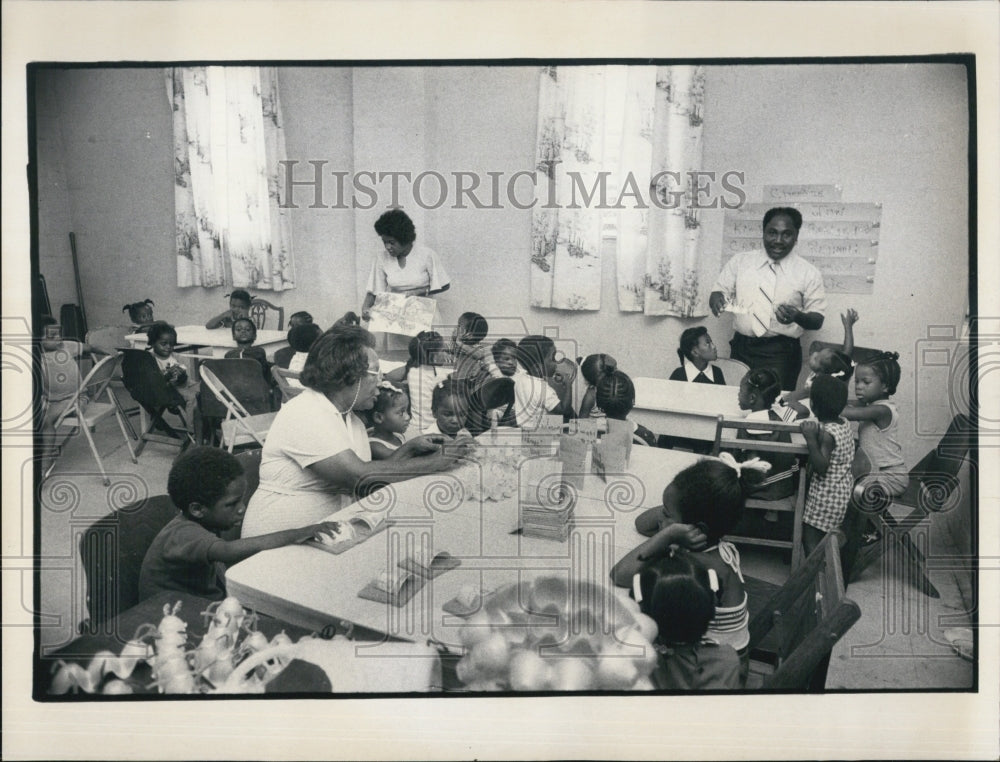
[(76, 274)]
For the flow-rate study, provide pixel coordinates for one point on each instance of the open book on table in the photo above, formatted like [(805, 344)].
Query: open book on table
[(356, 526)]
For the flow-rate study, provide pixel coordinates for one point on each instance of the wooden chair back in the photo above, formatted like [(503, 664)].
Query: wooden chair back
[(794, 504), (792, 635), (258, 313)]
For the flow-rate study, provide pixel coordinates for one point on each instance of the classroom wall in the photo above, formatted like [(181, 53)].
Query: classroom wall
[(893, 134)]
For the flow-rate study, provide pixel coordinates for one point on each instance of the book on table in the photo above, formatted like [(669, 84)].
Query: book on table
[(356, 526)]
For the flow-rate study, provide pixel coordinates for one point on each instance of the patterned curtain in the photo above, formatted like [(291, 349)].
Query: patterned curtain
[(228, 140), (566, 241), (633, 124)]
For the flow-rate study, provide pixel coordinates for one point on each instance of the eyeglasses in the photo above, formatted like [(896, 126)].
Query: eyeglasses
[(376, 373)]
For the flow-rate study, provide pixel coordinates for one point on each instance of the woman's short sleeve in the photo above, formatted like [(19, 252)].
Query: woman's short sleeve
[(376, 278), (437, 275)]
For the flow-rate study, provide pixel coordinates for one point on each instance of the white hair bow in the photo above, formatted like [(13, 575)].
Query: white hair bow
[(754, 464), (843, 373)]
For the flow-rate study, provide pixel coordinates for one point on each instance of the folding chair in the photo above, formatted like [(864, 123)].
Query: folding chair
[(239, 426), (932, 482), (793, 504), (258, 313), (148, 387), (112, 550), (245, 379), (793, 633), (281, 376), (86, 410), (109, 340)]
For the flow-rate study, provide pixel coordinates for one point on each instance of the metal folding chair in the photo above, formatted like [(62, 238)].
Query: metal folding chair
[(88, 408), (239, 427)]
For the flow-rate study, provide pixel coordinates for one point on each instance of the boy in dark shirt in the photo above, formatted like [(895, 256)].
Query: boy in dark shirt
[(207, 484)]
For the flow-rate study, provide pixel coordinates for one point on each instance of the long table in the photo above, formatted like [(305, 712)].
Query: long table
[(310, 587), (218, 340)]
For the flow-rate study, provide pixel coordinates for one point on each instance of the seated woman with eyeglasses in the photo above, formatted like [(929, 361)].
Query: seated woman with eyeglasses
[(316, 459)]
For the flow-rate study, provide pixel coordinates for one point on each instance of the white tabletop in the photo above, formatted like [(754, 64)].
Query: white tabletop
[(217, 338), (308, 586)]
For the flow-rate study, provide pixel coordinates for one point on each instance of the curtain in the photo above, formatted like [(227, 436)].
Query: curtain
[(228, 140), (617, 129), (566, 241)]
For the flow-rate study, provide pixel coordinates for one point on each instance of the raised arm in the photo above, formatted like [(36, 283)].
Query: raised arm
[(849, 318)]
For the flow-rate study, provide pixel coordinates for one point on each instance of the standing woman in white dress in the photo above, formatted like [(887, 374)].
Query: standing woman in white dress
[(404, 266)]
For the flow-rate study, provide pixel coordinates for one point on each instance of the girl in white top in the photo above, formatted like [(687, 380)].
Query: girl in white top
[(390, 417), (316, 457), (543, 382), (449, 406), (420, 375)]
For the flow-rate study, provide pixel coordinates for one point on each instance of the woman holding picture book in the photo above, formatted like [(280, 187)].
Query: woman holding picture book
[(403, 266)]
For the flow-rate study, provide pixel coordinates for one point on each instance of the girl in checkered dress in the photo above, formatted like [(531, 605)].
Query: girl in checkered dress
[(831, 451)]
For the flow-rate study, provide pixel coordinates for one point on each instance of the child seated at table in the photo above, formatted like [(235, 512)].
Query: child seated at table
[(615, 395), (239, 306), (420, 374), (284, 355), (162, 339), (700, 506), (301, 338), (543, 382), (696, 353), (389, 418), (207, 484), (758, 391), (835, 363), (245, 334), (141, 315), (592, 368), (449, 407), (676, 592), (505, 357)]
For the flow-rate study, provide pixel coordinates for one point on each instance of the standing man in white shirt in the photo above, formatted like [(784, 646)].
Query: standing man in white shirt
[(775, 296)]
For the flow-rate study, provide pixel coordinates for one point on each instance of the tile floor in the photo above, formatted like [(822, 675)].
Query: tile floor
[(897, 643)]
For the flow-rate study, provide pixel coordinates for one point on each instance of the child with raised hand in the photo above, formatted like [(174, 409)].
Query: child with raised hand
[(239, 306), (592, 368), (700, 506), (390, 417), (615, 395), (696, 353), (827, 362), (878, 431), (831, 451), (141, 314), (207, 484), (676, 592), (162, 339)]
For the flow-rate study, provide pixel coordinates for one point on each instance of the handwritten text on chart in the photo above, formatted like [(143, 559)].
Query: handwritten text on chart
[(819, 247), (790, 193), (736, 227), (818, 210)]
